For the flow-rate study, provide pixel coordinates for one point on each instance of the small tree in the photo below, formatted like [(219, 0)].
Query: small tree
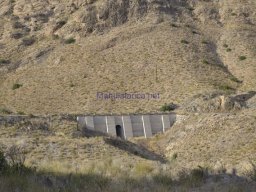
[(16, 157), (16, 86), (3, 163)]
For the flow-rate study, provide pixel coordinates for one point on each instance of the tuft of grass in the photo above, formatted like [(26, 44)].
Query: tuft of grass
[(162, 179), (55, 37), (59, 24), (72, 85), (205, 62), (228, 50), (195, 32), (194, 178), (226, 88), (253, 174), (16, 86), (17, 25), (4, 61), (5, 111), (16, 35), (225, 45), (174, 25), (184, 41), (143, 168), (28, 41), (235, 79), (3, 163), (20, 113), (31, 115), (205, 42), (241, 58), (70, 40), (174, 156)]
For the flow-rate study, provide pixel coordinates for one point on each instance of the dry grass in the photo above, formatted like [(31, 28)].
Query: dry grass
[(79, 163)]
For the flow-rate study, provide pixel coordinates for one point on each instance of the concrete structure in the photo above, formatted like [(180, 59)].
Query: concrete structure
[(127, 126)]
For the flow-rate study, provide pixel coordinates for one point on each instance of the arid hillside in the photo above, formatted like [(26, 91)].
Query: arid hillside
[(56, 55), (196, 57)]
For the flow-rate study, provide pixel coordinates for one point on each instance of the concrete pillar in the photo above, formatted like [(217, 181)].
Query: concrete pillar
[(81, 124), (146, 126), (111, 125), (165, 122), (127, 127), (89, 122)]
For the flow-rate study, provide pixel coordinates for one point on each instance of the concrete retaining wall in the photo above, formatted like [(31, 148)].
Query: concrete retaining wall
[(130, 125)]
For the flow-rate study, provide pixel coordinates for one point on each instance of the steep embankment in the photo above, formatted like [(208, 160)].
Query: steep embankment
[(223, 141)]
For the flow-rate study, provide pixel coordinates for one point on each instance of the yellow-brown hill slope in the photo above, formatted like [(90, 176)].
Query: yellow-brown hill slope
[(175, 48)]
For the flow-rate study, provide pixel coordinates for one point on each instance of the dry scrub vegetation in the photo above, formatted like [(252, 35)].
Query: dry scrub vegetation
[(49, 154)]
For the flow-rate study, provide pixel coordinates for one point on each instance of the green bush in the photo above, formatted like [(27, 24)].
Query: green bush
[(21, 113), (168, 107), (226, 88), (70, 40), (190, 8), (4, 61), (225, 45), (175, 156), (241, 58), (228, 50), (16, 86), (205, 62), (205, 42), (72, 85), (174, 25), (184, 41)]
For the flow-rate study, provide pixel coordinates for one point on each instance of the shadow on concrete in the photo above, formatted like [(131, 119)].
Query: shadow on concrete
[(134, 149)]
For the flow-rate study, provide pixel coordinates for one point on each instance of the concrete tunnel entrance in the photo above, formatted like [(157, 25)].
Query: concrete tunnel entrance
[(119, 131)]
